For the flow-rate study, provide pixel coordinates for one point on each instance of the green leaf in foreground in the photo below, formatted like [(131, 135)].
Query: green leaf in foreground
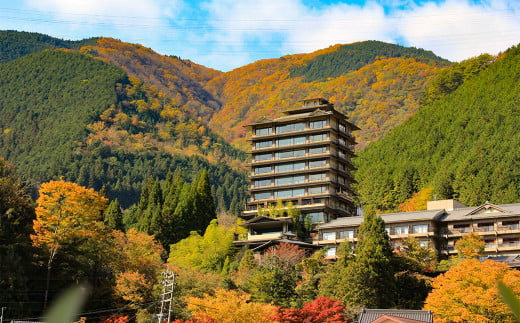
[(509, 297), (68, 305)]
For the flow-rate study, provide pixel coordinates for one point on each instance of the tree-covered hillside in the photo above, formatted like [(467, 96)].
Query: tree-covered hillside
[(15, 44), (180, 80), (464, 145), (351, 57), (67, 115), (377, 96), (46, 101)]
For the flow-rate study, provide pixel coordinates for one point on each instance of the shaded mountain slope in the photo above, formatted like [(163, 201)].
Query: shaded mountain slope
[(464, 145)]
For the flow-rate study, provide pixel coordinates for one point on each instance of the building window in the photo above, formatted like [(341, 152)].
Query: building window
[(289, 167), (329, 235), (486, 226), (263, 157), (262, 182), (510, 225), (401, 230), (289, 193), (489, 243), (290, 154), (318, 150), (463, 228), (331, 252), (290, 127), (262, 196), (342, 127), (317, 177), (289, 180), (263, 144), (511, 242), (318, 124), (319, 137), (316, 217), (263, 131), (263, 170), (290, 141), (387, 229), (317, 190), (341, 180), (420, 228), (317, 163), (346, 234)]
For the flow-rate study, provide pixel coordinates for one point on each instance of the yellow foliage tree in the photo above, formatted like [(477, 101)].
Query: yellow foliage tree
[(64, 211), (470, 246), (468, 292), (418, 201), (229, 306)]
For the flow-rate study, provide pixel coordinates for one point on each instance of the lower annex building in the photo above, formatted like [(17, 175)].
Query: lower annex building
[(439, 227)]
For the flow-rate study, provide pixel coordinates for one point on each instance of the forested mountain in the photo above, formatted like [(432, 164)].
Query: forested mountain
[(15, 44), (142, 114), (464, 144), (67, 115), (377, 85)]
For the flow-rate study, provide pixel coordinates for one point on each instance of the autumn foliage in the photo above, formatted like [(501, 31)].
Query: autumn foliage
[(418, 201), (65, 210), (468, 292), (321, 310), (229, 306)]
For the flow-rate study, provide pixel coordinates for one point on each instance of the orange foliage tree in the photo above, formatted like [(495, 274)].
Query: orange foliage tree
[(468, 292), (137, 267), (64, 211), (230, 306), (418, 201)]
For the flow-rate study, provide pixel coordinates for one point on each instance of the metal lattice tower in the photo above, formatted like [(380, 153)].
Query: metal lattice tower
[(168, 282)]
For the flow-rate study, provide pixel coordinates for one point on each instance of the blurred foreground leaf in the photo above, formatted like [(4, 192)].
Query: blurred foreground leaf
[(509, 297), (67, 306)]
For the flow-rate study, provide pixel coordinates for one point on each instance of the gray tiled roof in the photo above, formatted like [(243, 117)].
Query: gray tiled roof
[(428, 215), (369, 315), (467, 213), (485, 211)]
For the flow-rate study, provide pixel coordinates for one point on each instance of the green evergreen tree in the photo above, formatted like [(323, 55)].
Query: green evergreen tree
[(204, 204), (371, 274), (113, 216)]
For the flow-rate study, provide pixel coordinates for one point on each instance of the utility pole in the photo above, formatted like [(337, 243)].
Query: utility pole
[(168, 282)]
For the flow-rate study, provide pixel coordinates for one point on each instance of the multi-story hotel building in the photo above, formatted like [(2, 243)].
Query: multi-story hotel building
[(440, 226), (303, 157)]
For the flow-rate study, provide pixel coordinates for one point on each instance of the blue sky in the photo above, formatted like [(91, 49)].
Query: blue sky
[(226, 34)]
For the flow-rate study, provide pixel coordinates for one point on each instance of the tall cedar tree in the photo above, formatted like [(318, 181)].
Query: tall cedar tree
[(113, 216), (371, 274), (16, 216)]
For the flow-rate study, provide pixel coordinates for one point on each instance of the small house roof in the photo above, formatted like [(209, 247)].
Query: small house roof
[(372, 315)]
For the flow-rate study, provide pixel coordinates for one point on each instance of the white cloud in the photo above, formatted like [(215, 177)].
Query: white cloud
[(453, 29), (225, 34), (459, 30)]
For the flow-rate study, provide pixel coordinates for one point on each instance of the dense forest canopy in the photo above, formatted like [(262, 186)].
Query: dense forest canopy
[(15, 44), (348, 58), (463, 145)]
